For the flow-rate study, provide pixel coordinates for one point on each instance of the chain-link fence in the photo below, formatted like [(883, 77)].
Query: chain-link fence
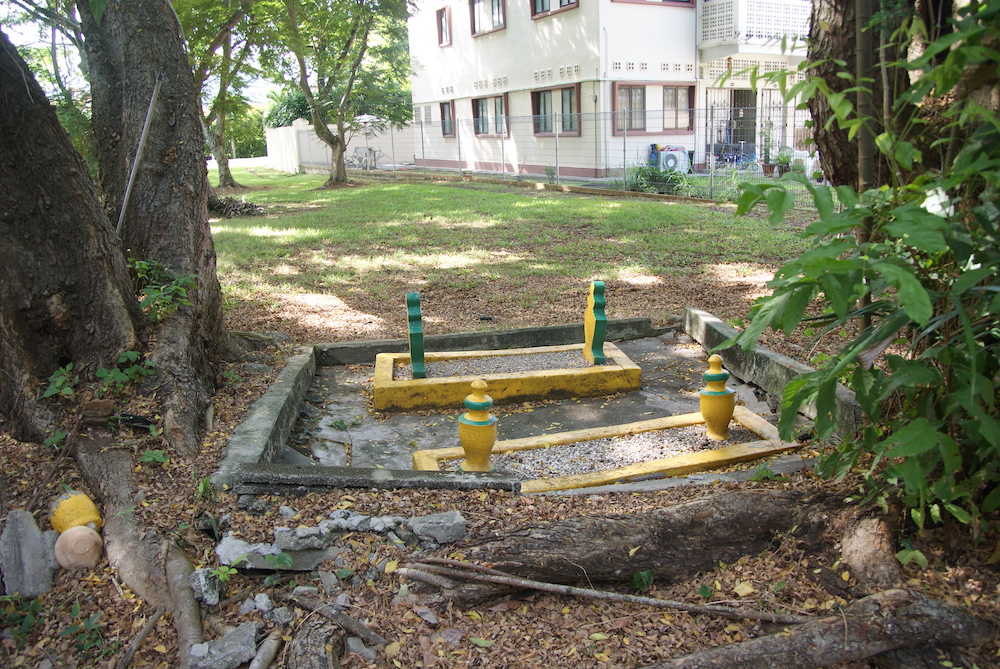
[(705, 152)]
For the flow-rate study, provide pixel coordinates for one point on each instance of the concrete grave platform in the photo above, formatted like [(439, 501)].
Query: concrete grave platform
[(617, 375), (380, 451)]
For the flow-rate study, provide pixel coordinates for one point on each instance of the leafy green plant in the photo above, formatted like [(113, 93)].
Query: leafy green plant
[(280, 560), (157, 457), (277, 561), (19, 617), (161, 291), (86, 636), (642, 580), (925, 273), (765, 473), (61, 382), (204, 492), (651, 179), (131, 368), (232, 378), (705, 591), (56, 439), (223, 572)]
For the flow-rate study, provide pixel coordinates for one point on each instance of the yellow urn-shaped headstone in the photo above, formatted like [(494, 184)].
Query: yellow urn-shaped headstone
[(477, 429), (717, 402), (74, 508), (76, 518)]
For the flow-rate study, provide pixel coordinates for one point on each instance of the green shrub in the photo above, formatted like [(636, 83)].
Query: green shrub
[(923, 281)]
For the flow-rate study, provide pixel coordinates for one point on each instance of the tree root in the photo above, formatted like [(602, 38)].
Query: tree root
[(470, 572), (345, 622), (152, 566), (885, 621)]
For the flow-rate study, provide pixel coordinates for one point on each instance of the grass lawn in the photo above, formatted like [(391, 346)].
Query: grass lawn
[(335, 264)]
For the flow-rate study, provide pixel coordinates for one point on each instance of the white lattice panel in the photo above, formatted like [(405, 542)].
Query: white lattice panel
[(753, 20)]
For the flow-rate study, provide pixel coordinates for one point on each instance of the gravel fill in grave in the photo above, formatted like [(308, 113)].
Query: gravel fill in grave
[(585, 457), (497, 364)]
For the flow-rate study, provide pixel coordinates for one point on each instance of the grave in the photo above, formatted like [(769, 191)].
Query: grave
[(595, 367), (377, 450)]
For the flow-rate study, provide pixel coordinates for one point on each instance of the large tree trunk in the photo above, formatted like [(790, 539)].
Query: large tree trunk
[(217, 140), (338, 170), (166, 219), (832, 30), (65, 295)]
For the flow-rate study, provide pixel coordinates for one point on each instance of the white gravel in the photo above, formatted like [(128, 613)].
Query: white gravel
[(482, 365), (596, 455)]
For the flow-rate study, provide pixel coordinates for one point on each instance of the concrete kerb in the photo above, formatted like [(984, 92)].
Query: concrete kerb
[(766, 369), (269, 422), (347, 353), (259, 437)]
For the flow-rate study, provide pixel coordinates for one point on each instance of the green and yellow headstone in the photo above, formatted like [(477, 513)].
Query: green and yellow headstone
[(416, 335), (595, 325)]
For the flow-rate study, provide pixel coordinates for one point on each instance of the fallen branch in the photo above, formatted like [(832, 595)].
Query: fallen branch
[(345, 622), (468, 572), (882, 622), (140, 637), (267, 651)]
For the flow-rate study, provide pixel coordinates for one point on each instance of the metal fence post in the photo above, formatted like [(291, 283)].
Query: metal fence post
[(503, 149), (392, 147), (625, 151), (555, 127), (711, 152)]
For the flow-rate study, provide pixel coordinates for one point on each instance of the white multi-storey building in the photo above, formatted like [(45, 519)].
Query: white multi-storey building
[(498, 83)]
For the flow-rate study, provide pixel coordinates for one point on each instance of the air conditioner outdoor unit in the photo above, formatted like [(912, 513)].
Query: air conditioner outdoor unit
[(674, 158)]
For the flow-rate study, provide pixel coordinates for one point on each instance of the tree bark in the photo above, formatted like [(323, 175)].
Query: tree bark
[(311, 646), (65, 295), (217, 140), (882, 622), (166, 219), (674, 543), (152, 566), (832, 38)]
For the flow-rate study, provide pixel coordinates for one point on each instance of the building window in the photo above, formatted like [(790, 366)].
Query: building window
[(444, 26), (481, 115), (541, 109), (447, 120), (631, 108), (487, 15), (539, 7), (570, 110), (677, 112), (499, 118)]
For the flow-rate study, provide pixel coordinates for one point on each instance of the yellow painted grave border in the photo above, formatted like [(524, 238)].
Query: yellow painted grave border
[(618, 375), (679, 465)]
